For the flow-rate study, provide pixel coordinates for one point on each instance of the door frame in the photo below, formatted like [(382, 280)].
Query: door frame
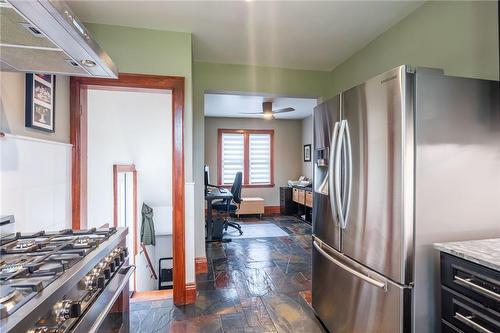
[(125, 168), (78, 137)]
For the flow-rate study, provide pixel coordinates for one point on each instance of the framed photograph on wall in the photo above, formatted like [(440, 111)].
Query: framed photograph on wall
[(307, 153), (40, 102)]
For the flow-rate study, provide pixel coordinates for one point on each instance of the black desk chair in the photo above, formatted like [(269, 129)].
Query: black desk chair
[(231, 206)]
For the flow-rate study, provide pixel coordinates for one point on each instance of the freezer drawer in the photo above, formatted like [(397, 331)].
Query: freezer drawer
[(350, 298)]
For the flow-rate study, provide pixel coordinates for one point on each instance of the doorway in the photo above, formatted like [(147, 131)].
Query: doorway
[(79, 122), (125, 209)]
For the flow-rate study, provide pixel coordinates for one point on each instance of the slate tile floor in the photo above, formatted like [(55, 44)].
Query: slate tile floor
[(252, 285)]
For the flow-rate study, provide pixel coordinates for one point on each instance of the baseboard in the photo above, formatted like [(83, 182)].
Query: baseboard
[(152, 295), (190, 293), (272, 210), (200, 265)]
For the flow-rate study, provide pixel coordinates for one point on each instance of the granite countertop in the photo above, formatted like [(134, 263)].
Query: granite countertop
[(484, 252)]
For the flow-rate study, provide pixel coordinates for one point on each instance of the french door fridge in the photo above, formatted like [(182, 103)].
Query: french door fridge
[(382, 149)]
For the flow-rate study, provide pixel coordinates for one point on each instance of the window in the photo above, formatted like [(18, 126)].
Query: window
[(248, 151)]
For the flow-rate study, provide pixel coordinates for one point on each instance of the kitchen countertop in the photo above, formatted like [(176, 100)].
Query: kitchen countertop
[(484, 252)]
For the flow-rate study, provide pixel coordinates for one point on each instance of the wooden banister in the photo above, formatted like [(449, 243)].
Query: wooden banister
[(148, 259)]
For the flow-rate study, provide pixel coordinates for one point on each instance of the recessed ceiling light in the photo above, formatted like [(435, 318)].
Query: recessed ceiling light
[(88, 63)]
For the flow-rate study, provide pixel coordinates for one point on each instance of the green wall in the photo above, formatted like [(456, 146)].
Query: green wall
[(460, 37)]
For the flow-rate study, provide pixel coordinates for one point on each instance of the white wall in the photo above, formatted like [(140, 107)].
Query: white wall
[(35, 182), (307, 139), (130, 128)]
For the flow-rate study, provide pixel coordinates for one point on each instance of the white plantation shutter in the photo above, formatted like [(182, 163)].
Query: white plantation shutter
[(232, 156), (259, 164)]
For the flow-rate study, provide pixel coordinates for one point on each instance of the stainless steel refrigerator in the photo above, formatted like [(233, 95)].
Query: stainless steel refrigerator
[(406, 159)]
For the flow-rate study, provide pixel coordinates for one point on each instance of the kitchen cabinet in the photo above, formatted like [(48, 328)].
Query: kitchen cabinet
[(470, 293)]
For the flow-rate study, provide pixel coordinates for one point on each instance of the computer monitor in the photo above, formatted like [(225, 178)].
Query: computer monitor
[(207, 177)]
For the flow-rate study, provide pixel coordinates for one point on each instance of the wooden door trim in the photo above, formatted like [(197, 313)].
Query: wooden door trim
[(78, 137), (122, 168)]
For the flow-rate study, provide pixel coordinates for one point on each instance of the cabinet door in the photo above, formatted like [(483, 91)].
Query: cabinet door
[(309, 199), (295, 196), (301, 197)]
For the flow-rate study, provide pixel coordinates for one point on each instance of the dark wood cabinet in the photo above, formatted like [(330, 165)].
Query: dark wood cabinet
[(287, 206), (470, 296), (296, 201)]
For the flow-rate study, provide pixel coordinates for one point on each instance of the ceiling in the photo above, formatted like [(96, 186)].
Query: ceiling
[(298, 34), (228, 105)]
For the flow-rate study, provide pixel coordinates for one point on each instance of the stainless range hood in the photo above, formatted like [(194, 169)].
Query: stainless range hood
[(45, 36)]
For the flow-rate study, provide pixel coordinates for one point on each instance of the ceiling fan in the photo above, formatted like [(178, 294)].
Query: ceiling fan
[(268, 112)]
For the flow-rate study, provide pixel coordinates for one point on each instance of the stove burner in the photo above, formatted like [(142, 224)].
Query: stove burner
[(24, 245), (82, 241), (30, 262), (11, 293), (10, 268)]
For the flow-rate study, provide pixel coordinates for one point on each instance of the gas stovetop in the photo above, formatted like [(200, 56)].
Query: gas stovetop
[(30, 262)]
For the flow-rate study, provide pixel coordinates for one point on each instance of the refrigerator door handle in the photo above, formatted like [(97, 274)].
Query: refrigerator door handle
[(347, 198), (362, 276), (331, 169), (338, 172)]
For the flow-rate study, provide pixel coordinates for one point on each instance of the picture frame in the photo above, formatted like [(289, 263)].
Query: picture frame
[(40, 104), (307, 153)]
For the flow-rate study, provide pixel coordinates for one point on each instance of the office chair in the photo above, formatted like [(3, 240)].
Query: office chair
[(231, 206)]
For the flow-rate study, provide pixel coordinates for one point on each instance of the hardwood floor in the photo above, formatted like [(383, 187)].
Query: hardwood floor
[(152, 295)]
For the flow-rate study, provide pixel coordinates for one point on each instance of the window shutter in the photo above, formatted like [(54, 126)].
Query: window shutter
[(232, 156), (260, 159)]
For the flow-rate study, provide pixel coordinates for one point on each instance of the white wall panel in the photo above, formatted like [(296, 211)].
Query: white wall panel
[(35, 183)]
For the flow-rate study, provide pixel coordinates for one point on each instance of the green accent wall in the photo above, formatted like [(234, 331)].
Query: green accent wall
[(245, 78), (460, 37)]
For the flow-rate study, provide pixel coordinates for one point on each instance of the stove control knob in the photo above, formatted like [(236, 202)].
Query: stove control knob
[(122, 255), (91, 281), (117, 260), (118, 255), (107, 273), (110, 262), (100, 281), (67, 309)]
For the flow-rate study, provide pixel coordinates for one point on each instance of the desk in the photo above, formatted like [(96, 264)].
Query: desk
[(215, 194)]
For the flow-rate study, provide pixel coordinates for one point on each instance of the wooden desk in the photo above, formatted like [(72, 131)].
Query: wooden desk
[(215, 194)]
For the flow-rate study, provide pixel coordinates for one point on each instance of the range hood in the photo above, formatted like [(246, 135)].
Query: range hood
[(44, 36)]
